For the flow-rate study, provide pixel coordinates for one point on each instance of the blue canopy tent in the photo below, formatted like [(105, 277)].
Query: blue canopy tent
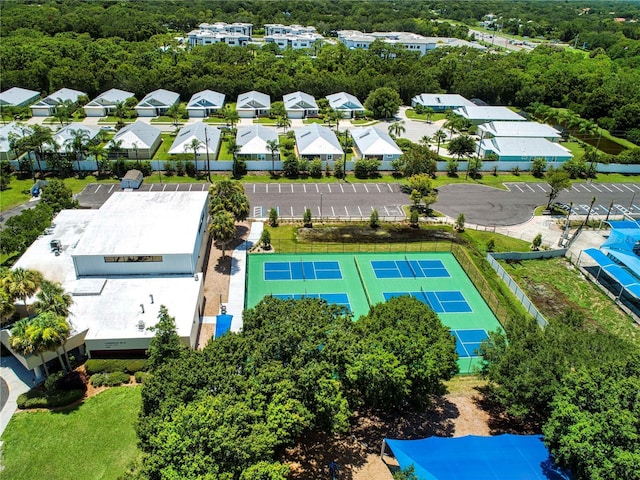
[(502, 457)]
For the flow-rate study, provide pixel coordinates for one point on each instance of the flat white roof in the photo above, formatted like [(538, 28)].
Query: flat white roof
[(144, 223), (444, 100), (519, 129), (115, 312), (525, 147), (18, 96), (488, 113)]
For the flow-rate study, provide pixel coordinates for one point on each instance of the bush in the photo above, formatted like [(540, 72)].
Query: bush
[(366, 168), (273, 217), (37, 398), (132, 366), (142, 377), (374, 219), (51, 383), (414, 218), (315, 168), (306, 218), (112, 379), (190, 168)]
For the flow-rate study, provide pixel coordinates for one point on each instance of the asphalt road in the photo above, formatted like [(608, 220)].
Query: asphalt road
[(480, 204), (491, 206)]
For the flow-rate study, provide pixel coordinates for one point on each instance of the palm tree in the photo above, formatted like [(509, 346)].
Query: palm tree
[(273, 147), (36, 141), (47, 333), (231, 116), (63, 111), (194, 146), (223, 228), (20, 341), (98, 153), (134, 145), (454, 122), (119, 110), (114, 147), (440, 136), (6, 304), (78, 144), (284, 122), (428, 111), (425, 140), (397, 128), (233, 148), (335, 115), (52, 298), (22, 283)]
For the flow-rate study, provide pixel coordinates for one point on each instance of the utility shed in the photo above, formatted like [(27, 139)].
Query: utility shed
[(132, 179)]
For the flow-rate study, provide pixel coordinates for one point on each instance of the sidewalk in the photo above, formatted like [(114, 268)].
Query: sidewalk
[(19, 380)]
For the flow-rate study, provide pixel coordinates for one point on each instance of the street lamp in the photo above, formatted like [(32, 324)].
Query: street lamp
[(321, 207)]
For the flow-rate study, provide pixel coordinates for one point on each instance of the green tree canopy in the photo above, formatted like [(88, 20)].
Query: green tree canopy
[(165, 344), (383, 102), (228, 195), (58, 196)]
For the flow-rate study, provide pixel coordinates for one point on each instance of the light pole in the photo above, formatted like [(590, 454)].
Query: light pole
[(632, 199), (206, 147), (321, 207)]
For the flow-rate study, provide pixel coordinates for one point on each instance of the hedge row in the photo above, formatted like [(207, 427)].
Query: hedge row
[(94, 366), (112, 379), (57, 398)]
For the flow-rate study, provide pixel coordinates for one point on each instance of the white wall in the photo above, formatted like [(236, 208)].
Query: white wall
[(94, 265)]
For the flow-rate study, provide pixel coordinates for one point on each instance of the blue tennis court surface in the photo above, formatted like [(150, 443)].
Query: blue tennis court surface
[(302, 271), (336, 298), (440, 302), (409, 269), (468, 342)]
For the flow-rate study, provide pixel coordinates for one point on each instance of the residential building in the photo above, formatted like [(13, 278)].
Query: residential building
[(345, 103), (523, 149), (205, 103), (121, 263), (235, 34), (65, 135), (290, 36), (253, 104), (300, 105), (252, 141), (7, 133), (370, 143), (478, 115), (206, 137), (440, 102), (410, 41), (138, 141), (47, 106), (105, 103), (157, 103), (314, 141), (519, 130), (18, 97)]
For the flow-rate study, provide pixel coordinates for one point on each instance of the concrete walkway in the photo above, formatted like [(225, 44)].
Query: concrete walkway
[(19, 380)]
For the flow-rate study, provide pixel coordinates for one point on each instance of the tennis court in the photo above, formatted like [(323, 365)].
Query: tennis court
[(359, 280)]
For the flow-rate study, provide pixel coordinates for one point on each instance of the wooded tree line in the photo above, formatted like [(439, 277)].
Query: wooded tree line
[(230, 410)]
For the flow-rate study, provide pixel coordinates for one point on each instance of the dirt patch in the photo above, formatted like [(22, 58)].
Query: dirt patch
[(456, 414)]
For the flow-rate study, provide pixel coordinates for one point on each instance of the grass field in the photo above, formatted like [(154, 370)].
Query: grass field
[(95, 440), (554, 285), (411, 113)]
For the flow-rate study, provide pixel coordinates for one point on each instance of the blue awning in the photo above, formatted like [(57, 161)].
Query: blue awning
[(600, 258), (223, 324), (513, 457)]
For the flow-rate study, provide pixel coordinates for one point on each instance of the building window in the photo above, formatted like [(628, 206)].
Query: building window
[(329, 157), (133, 259)]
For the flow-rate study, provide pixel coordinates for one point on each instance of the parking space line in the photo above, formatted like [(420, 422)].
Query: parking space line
[(541, 188), (627, 187), (304, 185), (317, 190), (279, 188), (529, 187), (151, 187), (99, 186), (111, 188), (378, 185), (573, 187), (341, 188), (605, 187), (329, 186), (637, 187), (354, 187), (365, 187), (346, 210), (518, 187), (386, 210), (333, 212), (360, 210), (597, 189), (618, 188), (390, 189)]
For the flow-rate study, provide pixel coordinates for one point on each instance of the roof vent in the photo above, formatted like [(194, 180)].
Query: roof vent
[(140, 325)]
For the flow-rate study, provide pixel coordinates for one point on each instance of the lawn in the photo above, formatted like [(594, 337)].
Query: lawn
[(112, 120), (266, 121), (555, 284), (575, 148), (411, 113), (165, 119), (95, 440), (163, 151)]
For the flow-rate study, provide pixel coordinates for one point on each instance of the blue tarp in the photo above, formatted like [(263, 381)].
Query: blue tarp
[(223, 324), (502, 457)]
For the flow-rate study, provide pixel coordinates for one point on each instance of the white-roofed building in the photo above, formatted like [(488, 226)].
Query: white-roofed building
[(18, 97), (345, 103), (157, 103), (523, 149), (139, 140), (519, 130), (120, 264), (290, 36), (204, 103), (314, 141), (207, 138), (252, 141), (105, 103), (7, 132), (300, 105), (234, 34), (47, 106), (371, 143), (253, 104), (477, 115), (64, 136), (439, 102)]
